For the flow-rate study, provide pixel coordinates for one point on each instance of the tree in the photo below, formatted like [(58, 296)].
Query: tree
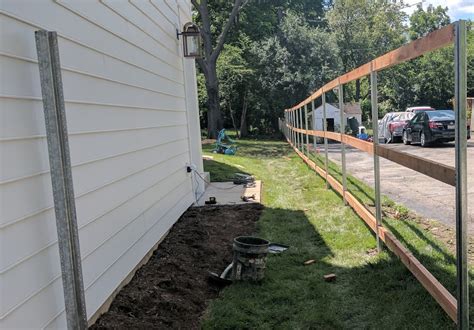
[(365, 29), (423, 22), (234, 77), (427, 80), (212, 48), (291, 64)]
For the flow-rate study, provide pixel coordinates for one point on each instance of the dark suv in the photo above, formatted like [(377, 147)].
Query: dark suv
[(431, 127)]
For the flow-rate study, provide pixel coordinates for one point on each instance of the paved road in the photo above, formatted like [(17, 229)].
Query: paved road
[(427, 196)]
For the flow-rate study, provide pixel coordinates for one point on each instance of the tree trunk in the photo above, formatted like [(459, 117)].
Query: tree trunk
[(208, 64), (233, 121), (357, 92), (243, 118), (214, 117)]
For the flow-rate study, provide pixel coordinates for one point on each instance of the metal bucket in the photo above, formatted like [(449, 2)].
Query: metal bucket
[(250, 256)]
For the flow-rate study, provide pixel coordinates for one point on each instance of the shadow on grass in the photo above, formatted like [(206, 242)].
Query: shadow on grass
[(424, 236), (377, 293)]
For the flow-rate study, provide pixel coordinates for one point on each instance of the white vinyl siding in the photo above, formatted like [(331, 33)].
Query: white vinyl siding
[(128, 95)]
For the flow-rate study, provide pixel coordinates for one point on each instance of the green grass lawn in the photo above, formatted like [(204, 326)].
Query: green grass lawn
[(371, 290)]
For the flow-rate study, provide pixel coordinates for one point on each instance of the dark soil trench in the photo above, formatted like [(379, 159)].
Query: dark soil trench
[(172, 290)]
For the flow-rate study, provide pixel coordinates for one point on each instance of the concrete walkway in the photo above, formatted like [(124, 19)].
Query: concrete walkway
[(228, 193)]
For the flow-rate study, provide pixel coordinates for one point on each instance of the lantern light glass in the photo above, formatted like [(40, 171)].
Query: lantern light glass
[(191, 41)]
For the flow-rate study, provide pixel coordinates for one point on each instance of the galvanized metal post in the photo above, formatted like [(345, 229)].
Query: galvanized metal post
[(460, 68), (300, 115), (313, 117), (325, 139), (297, 133), (293, 140), (306, 127), (293, 133), (61, 178), (290, 134), (343, 146), (375, 129)]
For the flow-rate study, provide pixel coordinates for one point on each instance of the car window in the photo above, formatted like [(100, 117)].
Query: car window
[(417, 117), (441, 115), (395, 117)]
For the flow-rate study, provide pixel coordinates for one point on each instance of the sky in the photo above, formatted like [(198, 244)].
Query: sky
[(457, 9)]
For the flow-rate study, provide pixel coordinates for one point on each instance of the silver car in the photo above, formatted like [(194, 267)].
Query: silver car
[(391, 127)]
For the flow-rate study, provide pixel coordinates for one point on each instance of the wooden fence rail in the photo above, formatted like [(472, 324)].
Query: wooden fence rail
[(435, 170)]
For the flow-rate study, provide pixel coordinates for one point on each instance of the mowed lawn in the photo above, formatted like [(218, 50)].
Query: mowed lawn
[(371, 290)]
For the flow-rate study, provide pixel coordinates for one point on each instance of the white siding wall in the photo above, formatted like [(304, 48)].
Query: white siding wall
[(128, 104)]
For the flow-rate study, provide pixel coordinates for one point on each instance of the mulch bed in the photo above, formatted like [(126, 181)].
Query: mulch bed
[(172, 290)]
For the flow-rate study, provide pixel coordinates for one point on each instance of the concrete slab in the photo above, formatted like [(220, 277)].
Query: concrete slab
[(228, 193)]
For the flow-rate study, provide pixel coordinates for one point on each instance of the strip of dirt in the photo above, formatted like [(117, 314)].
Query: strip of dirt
[(172, 289)]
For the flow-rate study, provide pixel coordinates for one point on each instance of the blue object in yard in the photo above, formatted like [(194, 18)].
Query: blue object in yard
[(221, 147), (362, 134)]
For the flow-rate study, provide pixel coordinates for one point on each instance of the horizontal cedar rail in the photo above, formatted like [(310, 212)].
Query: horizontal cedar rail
[(359, 144), (435, 170), (333, 136), (444, 298), (347, 139), (434, 40)]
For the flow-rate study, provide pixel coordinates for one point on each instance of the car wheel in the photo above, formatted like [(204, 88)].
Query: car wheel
[(423, 140), (405, 138)]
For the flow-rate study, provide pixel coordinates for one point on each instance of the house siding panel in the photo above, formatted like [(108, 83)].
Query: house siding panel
[(128, 94)]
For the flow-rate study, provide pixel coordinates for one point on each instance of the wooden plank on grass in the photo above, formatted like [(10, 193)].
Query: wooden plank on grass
[(435, 170)]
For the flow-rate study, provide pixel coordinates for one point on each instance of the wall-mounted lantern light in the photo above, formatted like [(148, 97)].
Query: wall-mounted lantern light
[(191, 40)]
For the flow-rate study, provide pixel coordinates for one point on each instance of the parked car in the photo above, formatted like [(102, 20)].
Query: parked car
[(420, 108), (428, 127), (391, 126)]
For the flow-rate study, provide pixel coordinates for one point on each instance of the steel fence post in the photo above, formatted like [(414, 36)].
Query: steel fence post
[(300, 115), (325, 139), (375, 115), (297, 120), (293, 127), (61, 178), (460, 68), (306, 127), (313, 118), (343, 147)]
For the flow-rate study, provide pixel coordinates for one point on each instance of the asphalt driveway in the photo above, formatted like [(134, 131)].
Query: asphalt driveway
[(424, 195)]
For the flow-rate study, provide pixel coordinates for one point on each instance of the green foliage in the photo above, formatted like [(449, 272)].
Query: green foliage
[(202, 94), (470, 59), (427, 80), (364, 29), (423, 22), (234, 76), (282, 50), (293, 63)]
